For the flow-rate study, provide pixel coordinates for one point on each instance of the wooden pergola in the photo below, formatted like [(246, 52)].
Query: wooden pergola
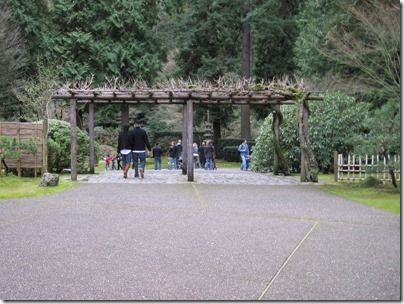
[(185, 97)]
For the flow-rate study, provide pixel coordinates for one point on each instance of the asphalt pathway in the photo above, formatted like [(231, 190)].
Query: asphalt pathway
[(230, 235)]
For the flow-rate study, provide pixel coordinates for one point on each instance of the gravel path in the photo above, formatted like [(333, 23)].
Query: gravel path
[(230, 235), (222, 176)]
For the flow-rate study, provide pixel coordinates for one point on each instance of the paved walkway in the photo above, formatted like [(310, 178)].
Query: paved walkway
[(242, 237)]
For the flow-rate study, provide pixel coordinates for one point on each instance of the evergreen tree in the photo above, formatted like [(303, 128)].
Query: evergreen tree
[(275, 32), (14, 60), (34, 20), (355, 45), (106, 38)]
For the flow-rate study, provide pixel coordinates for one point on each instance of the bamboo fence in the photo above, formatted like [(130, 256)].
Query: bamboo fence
[(359, 167), (21, 131)]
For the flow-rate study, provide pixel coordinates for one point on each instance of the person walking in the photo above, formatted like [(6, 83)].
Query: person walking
[(125, 149), (113, 161), (172, 151), (195, 154), (140, 142), (201, 153), (209, 150), (107, 162), (244, 151), (178, 155), (157, 157), (118, 161)]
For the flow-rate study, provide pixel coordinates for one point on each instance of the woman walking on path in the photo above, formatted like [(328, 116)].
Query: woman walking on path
[(125, 149)]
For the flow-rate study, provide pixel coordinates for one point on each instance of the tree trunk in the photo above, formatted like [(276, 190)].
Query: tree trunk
[(393, 177), (280, 162), (44, 168), (246, 74), (309, 166)]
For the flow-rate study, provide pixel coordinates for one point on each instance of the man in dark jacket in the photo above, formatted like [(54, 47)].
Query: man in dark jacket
[(209, 150), (201, 151), (172, 152), (139, 142), (157, 156), (125, 149)]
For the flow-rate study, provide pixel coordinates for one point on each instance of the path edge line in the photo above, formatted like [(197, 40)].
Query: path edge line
[(286, 261)]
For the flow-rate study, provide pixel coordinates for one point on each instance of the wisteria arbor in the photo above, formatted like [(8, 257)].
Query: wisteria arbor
[(273, 94)]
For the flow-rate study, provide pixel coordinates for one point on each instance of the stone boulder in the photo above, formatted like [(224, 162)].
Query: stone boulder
[(49, 179)]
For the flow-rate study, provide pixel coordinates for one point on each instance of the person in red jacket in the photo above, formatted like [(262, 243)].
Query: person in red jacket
[(107, 162)]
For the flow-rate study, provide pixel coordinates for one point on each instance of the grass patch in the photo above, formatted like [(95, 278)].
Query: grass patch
[(16, 187), (383, 196)]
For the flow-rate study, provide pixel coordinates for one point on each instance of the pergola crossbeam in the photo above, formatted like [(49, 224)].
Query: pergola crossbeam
[(178, 96)]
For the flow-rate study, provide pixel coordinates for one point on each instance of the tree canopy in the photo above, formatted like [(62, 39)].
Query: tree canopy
[(353, 46)]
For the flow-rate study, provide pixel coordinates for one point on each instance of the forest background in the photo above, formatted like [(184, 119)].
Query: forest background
[(348, 51)]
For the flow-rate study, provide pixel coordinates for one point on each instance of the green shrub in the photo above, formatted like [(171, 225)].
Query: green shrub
[(59, 140), (230, 153), (371, 182), (333, 124), (262, 158)]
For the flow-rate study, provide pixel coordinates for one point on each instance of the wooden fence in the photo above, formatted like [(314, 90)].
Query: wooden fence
[(24, 130), (357, 167)]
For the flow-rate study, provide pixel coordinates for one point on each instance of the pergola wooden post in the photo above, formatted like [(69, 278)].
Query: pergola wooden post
[(303, 121), (91, 135), (190, 140), (73, 136), (125, 114), (184, 138)]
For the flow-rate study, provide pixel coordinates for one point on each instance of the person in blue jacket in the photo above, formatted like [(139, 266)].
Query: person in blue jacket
[(244, 151)]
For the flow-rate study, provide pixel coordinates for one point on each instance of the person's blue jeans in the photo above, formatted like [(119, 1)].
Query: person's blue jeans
[(176, 163), (243, 161), (126, 159), (171, 163), (209, 163), (157, 163), (136, 157)]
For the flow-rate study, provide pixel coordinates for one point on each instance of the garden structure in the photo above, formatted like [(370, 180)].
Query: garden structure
[(273, 94)]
